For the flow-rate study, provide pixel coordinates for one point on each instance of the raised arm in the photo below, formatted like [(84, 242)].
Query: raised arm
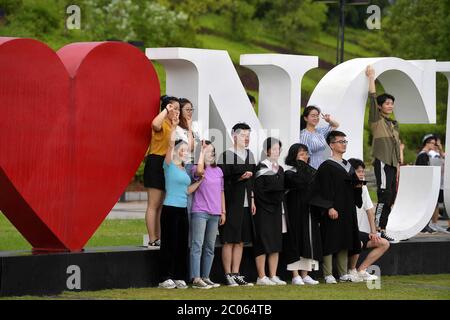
[(200, 170), (374, 112), (169, 152), (333, 123), (159, 119)]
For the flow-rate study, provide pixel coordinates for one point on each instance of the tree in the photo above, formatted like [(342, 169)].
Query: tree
[(294, 20), (419, 30)]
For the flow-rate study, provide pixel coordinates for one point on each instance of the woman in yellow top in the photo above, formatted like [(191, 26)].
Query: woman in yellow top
[(153, 170)]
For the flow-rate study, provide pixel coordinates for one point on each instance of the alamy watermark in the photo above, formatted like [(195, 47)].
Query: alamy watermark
[(73, 21), (374, 20), (74, 279), (374, 284)]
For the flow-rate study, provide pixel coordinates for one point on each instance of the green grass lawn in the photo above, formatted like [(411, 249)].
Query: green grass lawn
[(423, 287), (129, 232), (110, 233)]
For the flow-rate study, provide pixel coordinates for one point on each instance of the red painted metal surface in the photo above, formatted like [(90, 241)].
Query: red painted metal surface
[(74, 127)]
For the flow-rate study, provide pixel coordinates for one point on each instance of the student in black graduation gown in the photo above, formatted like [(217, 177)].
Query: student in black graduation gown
[(238, 166), (338, 186), (269, 196), (303, 245)]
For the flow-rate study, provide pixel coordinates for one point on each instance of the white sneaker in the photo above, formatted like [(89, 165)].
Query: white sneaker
[(330, 280), (298, 281), (344, 278), (437, 228), (180, 284), (309, 280), (265, 281), (210, 283), (200, 284), (168, 284), (354, 276), (278, 281), (365, 276)]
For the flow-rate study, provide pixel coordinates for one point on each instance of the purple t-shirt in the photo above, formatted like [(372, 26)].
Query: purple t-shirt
[(208, 197)]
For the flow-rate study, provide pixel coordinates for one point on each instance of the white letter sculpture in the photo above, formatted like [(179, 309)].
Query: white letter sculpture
[(207, 77)]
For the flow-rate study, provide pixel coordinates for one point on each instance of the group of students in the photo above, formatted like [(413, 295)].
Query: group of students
[(308, 211)]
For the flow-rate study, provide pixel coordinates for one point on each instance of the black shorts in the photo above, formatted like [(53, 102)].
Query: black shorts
[(364, 238), (154, 172), (441, 196)]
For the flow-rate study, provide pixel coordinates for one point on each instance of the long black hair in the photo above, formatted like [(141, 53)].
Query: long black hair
[(291, 158), (183, 102), (306, 113), (268, 144), (165, 100)]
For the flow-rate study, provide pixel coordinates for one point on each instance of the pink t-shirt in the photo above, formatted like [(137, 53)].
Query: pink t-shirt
[(208, 197)]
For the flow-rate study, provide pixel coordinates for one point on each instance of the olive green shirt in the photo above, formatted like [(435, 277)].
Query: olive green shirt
[(386, 135)]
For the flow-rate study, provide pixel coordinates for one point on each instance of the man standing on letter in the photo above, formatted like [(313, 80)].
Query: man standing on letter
[(385, 150)]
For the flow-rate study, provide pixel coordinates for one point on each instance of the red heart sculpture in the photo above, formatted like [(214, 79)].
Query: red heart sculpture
[(74, 127)]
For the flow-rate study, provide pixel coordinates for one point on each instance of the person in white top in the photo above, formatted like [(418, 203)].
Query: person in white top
[(368, 235), (188, 130)]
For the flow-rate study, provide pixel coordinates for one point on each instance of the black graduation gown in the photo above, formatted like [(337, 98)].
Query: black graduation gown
[(337, 189), (269, 196), (303, 236), (238, 226)]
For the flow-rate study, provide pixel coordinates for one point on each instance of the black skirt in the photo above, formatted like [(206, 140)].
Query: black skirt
[(268, 229), (237, 229), (154, 172)]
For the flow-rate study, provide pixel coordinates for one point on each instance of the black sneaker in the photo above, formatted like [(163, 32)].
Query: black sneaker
[(240, 280), (385, 236), (229, 280), (427, 229), (448, 229)]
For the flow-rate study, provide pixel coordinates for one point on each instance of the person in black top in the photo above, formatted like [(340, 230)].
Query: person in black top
[(340, 190), (269, 196), (303, 246), (238, 166), (423, 159)]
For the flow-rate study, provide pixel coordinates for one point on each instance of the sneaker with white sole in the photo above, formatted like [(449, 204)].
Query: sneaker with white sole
[(365, 276), (298, 281), (265, 281), (354, 276), (240, 280), (278, 281), (330, 280), (310, 281), (385, 236), (210, 283), (155, 244), (181, 284), (168, 284), (344, 278), (437, 228), (200, 284), (229, 280)]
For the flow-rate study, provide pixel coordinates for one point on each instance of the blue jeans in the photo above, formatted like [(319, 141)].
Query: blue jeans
[(204, 228)]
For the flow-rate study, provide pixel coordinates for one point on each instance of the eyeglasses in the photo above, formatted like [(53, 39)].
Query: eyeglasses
[(341, 141)]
